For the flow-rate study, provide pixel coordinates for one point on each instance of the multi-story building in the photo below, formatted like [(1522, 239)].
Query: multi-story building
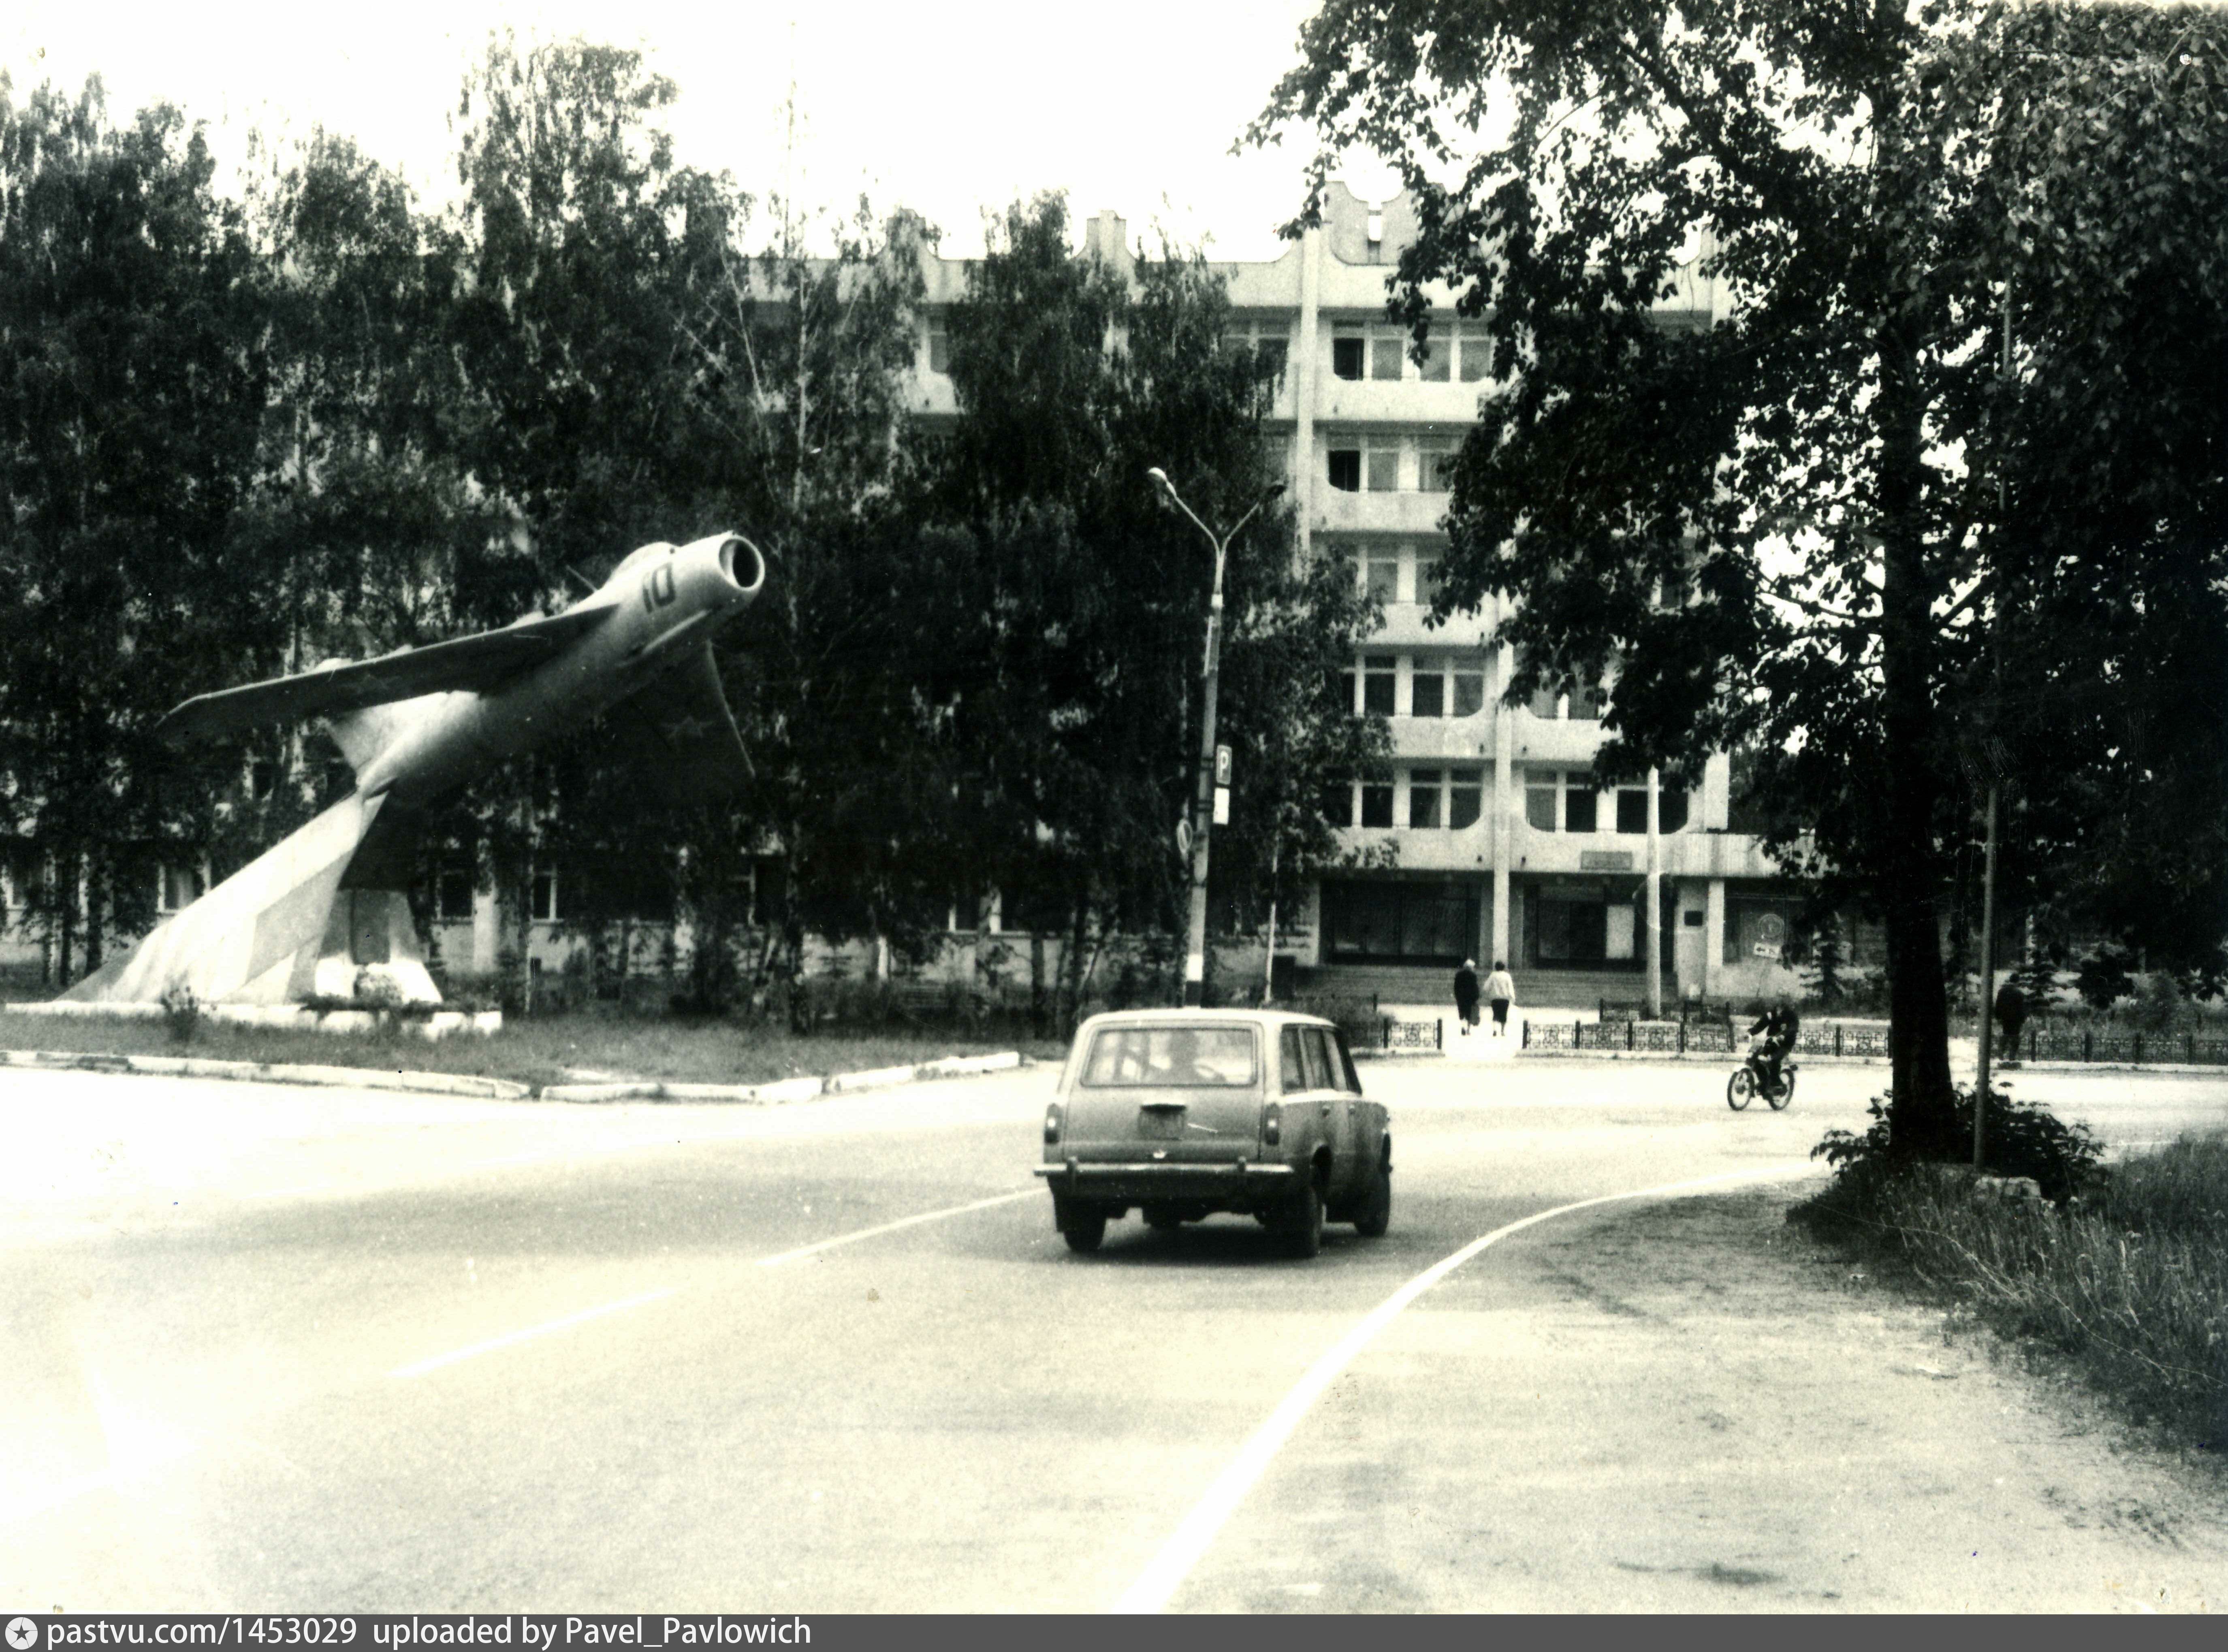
[(1505, 846)]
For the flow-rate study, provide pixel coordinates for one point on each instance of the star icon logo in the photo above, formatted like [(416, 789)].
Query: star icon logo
[(688, 729), (22, 1634)]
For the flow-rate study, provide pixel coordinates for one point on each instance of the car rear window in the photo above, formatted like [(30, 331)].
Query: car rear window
[(1174, 1056)]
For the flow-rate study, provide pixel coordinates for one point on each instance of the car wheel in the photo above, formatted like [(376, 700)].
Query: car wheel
[(1304, 1221), (1163, 1218), (1785, 1093), (1084, 1226), (1376, 1214), (1740, 1089)]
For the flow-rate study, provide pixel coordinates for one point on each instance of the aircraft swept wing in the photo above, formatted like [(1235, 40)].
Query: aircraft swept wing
[(686, 746), (479, 663)]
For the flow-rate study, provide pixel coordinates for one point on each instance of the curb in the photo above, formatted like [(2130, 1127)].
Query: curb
[(190, 1066), (782, 1091), (779, 1091)]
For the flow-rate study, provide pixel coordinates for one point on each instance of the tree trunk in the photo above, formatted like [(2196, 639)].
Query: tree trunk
[(1922, 1121)]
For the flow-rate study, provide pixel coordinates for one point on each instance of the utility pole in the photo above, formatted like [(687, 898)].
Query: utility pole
[(1203, 800), (1654, 898), (1988, 981)]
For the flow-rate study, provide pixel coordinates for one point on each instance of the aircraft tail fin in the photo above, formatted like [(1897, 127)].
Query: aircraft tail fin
[(256, 937)]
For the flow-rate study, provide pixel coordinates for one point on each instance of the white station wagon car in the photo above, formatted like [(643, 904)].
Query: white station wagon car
[(1183, 1113)]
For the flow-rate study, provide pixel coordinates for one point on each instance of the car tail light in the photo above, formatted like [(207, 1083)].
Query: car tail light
[(1272, 1123), (1052, 1123)]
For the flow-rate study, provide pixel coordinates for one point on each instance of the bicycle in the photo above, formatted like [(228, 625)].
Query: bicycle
[(1749, 1082)]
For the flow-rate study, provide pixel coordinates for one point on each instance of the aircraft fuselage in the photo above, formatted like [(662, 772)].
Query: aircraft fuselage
[(661, 602)]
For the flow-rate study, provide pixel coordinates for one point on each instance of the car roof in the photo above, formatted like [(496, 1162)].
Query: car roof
[(1205, 1018)]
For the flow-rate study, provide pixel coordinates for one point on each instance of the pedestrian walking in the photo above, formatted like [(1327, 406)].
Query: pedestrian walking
[(2011, 1015), (1500, 992), (1466, 994)]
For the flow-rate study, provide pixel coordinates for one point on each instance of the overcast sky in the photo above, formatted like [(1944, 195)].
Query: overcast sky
[(950, 108)]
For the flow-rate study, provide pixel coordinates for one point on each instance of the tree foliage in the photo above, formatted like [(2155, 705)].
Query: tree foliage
[(1896, 562)]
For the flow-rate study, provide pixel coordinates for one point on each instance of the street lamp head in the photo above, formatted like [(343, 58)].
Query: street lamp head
[(1161, 480), (1274, 490)]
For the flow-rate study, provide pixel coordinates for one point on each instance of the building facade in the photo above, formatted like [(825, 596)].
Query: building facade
[(1503, 845)]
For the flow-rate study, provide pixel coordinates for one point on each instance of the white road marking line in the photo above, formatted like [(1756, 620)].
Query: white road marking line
[(438, 1360), (14, 1510), (1160, 1579), (804, 1250)]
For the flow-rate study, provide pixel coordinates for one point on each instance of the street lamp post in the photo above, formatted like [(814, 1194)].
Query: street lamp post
[(1203, 799)]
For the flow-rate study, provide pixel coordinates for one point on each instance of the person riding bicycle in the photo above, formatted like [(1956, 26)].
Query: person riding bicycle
[(1777, 1025)]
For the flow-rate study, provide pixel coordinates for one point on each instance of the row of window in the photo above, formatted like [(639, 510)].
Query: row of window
[(1456, 351), (1565, 800), (1390, 463), (1452, 799), (1451, 685), (1379, 569), (1449, 799), (1438, 686)]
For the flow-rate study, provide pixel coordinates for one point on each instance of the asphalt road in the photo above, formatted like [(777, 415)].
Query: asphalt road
[(271, 1350)]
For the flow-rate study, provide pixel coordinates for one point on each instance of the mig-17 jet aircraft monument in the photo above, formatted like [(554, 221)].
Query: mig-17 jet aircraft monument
[(301, 920)]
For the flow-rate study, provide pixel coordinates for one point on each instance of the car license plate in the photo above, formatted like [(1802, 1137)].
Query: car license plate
[(1161, 1124)]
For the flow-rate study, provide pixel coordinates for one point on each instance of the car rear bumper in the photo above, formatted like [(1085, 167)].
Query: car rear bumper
[(1140, 1182)]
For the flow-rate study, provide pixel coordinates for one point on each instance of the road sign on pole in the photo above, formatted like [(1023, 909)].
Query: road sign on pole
[(1221, 769)]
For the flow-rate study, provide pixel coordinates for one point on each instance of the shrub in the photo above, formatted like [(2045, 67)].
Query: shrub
[(2063, 1159), (2103, 979), (182, 1012)]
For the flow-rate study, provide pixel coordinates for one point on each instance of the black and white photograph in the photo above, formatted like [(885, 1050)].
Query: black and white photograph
[(810, 815)]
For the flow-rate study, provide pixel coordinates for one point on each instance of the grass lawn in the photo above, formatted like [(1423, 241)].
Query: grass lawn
[(2127, 1283), (557, 1049)]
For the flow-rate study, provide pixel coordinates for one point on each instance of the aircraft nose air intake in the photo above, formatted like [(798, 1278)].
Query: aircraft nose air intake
[(740, 562)]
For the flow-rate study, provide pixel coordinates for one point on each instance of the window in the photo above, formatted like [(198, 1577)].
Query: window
[(1546, 703), (939, 344), (1338, 1065), (1589, 702), (1470, 691), (1382, 567), (1632, 809), (1346, 356), (1438, 356), (1465, 797), (1540, 799), (1384, 465), (1294, 1075), (1427, 690), (1376, 805), (1342, 688), (1477, 356), (1266, 341), (179, 887), (1579, 802), (452, 893), (1346, 469), (262, 778), (1140, 1057), (1377, 676), (1670, 808), (1385, 352), (1435, 458), (1423, 798), (1322, 1071), (1338, 802), (544, 899), (1427, 576)]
